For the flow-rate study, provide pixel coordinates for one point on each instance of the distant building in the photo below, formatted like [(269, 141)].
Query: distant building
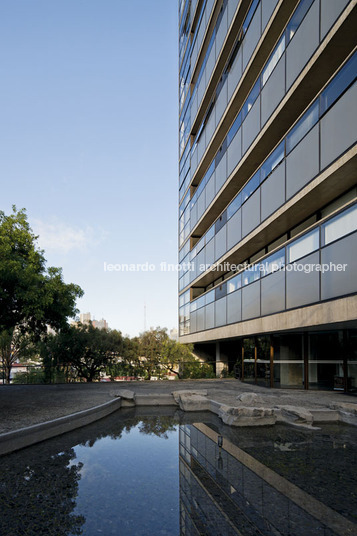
[(85, 318), (100, 324), (173, 334)]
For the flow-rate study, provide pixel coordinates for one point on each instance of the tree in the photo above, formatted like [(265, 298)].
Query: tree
[(128, 363), (13, 345), (158, 352), (179, 359), (31, 296), (175, 355), (85, 349), (151, 348)]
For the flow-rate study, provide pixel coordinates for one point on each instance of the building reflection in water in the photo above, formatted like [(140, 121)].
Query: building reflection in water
[(226, 491)]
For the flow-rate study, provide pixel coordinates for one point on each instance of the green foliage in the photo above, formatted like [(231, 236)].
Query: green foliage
[(162, 353), (14, 345), (32, 376), (195, 370), (85, 349), (151, 344), (31, 296)]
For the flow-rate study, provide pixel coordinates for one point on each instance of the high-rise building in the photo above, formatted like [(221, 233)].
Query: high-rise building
[(267, 189), (100, 324), (85, 318)]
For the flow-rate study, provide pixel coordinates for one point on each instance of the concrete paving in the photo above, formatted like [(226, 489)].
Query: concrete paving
[(27, 405)]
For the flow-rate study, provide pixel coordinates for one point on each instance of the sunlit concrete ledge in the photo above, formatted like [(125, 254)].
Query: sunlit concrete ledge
[(248, 409), (24, 437)]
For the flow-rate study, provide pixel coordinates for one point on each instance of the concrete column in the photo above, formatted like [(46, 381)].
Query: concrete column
[(221, 361)]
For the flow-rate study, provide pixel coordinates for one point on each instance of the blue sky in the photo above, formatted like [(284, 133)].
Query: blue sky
[(88, 145)]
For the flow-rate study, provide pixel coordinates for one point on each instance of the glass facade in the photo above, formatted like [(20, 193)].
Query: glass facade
[(267, 132)]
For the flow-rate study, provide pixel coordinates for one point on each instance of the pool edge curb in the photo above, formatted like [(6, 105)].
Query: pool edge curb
[(30, 435)]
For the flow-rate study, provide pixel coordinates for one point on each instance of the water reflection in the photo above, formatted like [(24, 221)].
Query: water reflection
[(276, 480), (74, 484), (269, 481), (37, 493)]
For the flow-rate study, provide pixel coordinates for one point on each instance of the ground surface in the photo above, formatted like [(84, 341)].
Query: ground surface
[(25, 405)]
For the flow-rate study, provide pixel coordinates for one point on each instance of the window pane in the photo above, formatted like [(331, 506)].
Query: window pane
[(251, 274), (210, 297), (306, 244), (221, 291), (308, 120), (210, 234), (234, 283), (252, 97), (251, 186), (234, 128), (201, 301), (209, 171), (234, 206), (274, 262), (274, 159), (273, 60), (200, 244), (339, 226), (250, 15), (222, 220), (297, 17), (338, 85)]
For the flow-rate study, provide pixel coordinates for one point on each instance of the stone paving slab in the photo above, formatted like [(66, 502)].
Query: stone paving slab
[(26, 405)]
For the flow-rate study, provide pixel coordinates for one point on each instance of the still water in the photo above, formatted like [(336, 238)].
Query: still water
[(144, 474)]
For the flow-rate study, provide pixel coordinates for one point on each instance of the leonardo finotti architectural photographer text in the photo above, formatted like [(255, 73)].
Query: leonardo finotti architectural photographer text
[(224, 267)]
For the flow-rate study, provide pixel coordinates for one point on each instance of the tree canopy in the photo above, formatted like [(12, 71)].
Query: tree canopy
[(86, 349), (32, 296)]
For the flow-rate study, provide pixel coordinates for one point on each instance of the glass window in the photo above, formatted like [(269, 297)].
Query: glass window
[(194, 199), (221, 152), (210, 234), (200, 187), (272, 161), (339, 84), (200, 245), (249, 16), (273, 263), (210, 297), (302, 127), (200, 302), (184, 250), (184, 203), (220, 291), (222, 220), (209, 172), (186, 297), (250, 100), (181, 238), (251, 274), (303, 246), (234, 206), (340, 225), (251, 186), (234, 128), (234, 284), (296, 19), (273, 60)]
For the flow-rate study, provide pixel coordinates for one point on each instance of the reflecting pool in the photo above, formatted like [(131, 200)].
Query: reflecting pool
[(165, 472)]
